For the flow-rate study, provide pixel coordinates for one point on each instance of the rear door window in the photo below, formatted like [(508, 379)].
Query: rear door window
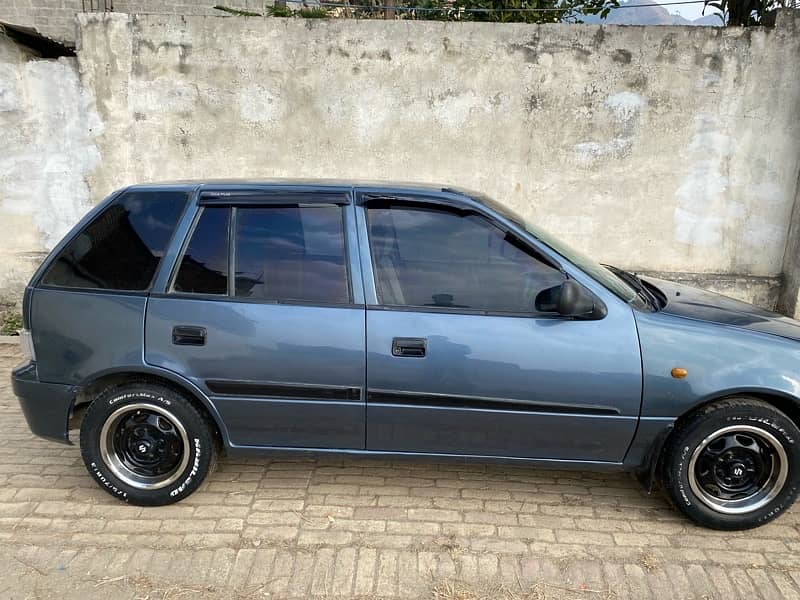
[(122, 247), (291, 253)]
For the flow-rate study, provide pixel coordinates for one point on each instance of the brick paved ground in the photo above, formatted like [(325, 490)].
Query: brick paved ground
[(365, 528)]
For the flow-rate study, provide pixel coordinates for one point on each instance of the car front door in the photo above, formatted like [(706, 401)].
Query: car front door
[(263, 316), (460, 362)]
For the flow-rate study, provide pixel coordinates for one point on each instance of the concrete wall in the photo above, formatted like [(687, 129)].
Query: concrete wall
[(789, 301), (48, 124), (53, 18), (56, 18), (666, 149), (670, 149)]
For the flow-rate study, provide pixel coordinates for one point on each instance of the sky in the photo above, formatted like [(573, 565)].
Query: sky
[(689, 11)]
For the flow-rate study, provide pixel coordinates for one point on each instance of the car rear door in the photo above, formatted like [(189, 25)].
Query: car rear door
[(460, 362), (264, 313)]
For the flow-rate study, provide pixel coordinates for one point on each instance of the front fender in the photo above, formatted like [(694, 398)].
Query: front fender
[(720, 361)]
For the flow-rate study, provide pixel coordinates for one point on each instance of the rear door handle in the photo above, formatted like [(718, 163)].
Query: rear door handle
[(187, 335), (411, 347)]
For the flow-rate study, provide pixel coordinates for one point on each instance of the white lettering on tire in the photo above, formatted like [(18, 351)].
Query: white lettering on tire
[(139, 396), (679, 479), (195, 468), (106, 482)]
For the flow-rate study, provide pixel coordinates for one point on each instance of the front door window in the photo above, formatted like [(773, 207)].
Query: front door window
[(430, 256)]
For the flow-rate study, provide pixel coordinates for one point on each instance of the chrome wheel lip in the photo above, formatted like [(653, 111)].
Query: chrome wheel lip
[(761, 497), (118, 467)]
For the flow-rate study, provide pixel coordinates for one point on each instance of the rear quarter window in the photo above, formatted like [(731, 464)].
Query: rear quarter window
[(122, 247)]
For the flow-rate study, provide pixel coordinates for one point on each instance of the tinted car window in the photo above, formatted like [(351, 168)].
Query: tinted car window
[(121, 248), (427, 256), (291, 253), (204, 266)]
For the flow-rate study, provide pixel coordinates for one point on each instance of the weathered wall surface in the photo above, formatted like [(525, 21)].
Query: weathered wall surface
[(56, 18), (666, 149), (48, 124), (789, 301), (671, 149), (53, 18)]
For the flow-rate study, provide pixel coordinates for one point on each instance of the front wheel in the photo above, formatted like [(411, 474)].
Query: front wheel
[(734, 464), (146, 444)]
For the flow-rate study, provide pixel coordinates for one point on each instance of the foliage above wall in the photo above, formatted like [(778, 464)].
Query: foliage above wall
[(746, 13), (504, 11)]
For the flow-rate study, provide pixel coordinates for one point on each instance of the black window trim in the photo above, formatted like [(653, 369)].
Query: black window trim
[(231, 296), (85, 290), (477, 312), (82, 226), (435, 203), (232, 215), (276, 197), (226, 298)]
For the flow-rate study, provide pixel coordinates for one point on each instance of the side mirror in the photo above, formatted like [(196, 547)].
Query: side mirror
[(571, 299)]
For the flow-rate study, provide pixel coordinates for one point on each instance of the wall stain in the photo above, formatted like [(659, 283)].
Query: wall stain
[(637, 81), (185, 142), (447, 47), (339, 51), (382, 55), (581, 53), (533, 103), (712, 61), (598, 38), (667, 49), (621, 56), (529, 49), (532, 48), (183, 50)]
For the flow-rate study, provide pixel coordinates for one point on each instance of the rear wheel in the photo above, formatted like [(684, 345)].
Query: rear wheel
[(146, 444), (735, 464)]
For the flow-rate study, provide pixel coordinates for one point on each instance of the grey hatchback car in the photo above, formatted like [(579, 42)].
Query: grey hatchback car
[(182, 320)]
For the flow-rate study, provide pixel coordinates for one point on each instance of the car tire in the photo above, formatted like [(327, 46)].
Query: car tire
[(147, 444), (733, 464)]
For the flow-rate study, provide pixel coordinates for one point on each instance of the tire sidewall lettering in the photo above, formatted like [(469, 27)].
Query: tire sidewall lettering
[(106, 482), (195, 467), (200, 448), (682, 478), (139, 396), (685, 498)]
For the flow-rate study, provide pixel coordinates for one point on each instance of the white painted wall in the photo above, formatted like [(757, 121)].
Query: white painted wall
[(669, 149), (48, 126)]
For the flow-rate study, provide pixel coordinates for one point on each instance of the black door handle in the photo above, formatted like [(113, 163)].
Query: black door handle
[(413, 347), (185, 335)]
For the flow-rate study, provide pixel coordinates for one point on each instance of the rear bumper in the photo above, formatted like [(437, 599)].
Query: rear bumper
[(46, 406)]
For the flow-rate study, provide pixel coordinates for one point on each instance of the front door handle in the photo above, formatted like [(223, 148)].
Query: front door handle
[(187, 335), (412, 347)]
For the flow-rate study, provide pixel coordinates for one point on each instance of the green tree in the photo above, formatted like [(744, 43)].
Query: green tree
[(745, 13)]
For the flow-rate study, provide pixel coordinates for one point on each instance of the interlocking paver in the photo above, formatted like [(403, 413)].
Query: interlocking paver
[(339, 527)]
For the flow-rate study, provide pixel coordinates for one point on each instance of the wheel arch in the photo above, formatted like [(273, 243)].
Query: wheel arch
[(93, 385), (786, 403)]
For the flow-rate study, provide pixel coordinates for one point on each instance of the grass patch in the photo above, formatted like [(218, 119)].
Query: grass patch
[(10, 323)]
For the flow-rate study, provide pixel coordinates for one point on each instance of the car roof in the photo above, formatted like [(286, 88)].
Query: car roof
[(304, 183), (454, 194)]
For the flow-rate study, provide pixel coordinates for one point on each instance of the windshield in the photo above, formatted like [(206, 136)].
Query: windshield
[(589, 266)]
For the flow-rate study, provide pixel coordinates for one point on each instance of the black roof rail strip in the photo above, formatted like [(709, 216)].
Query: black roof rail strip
[(272, 197)]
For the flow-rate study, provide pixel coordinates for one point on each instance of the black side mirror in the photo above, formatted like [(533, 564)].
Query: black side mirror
[(571, 299)]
